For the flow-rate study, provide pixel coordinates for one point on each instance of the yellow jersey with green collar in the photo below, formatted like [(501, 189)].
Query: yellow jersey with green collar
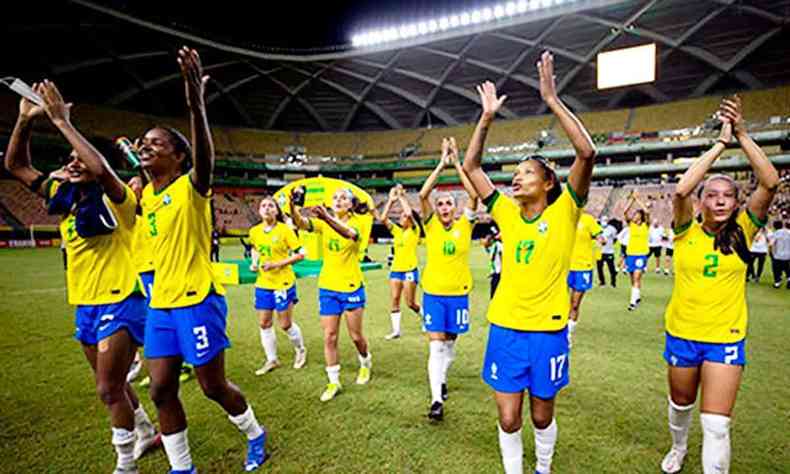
[(341, 270), (447, 270), (708, 302), (404, 244), (583, 256), (274, 245), (533, 290), (142, 253), (100, 268), (179, 226), (638, 239)]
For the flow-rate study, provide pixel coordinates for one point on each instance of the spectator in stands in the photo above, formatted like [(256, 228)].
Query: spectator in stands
[(529, 312), (637, 249), (404, 275), (214, 245), (607, 253), (654, 240), (493, 245), (780, 254), (706, 317), (759, 250), (101, 279), (447, 280)]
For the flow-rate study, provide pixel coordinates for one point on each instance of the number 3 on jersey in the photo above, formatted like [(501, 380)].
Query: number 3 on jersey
[(152, 224)]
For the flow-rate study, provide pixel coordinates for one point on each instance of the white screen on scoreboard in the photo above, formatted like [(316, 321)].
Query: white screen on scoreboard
[(625, 67)]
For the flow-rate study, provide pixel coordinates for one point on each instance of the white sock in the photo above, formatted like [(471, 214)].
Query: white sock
[(395, 317), (449, 357), (124, 440), (679, 423), (269, 343), (571, 326), (511, 446), (333, 372), (366, 361), (247, 423), (545, 440), (715, 443), (177, 450), (295, 335), (436, 364), (142, 424), (635, 294)]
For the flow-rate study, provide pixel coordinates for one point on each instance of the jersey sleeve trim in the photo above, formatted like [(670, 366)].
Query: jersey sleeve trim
[(683, 228), (580, 202), (491, 200), (756, 220)]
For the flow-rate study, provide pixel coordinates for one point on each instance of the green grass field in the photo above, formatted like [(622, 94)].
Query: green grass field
[(612, 417)]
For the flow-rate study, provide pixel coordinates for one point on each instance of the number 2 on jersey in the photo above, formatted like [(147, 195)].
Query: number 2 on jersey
[(709, 270)]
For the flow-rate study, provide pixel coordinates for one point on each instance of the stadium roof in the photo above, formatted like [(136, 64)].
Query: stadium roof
[(106, 54)]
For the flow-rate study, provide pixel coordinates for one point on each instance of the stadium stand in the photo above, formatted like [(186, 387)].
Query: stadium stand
[(25, 206)]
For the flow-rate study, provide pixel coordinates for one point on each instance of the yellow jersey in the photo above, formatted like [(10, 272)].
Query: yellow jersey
[(100, 268), (533, 290), (341, 270), (638, 239), (404, 244), (274, 245), (708, 302), (179, 226), (586, 231), (142, 253), (447, 250)]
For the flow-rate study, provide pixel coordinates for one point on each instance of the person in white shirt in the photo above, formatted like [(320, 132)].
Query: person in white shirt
[(655, 234), (609, 235), (668, 244), (780, 254), (759, 250), (623, 238)]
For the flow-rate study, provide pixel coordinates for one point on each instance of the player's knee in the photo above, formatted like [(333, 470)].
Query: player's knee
[(213, 389), (266, 323), (330, 338), (541, 420), (161, 394), (109, 392), (683, 399), (510, 422)]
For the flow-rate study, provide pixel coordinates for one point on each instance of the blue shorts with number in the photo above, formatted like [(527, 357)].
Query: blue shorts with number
[(196, 333), (524, 360), (635, 262), (333, 303), (411, 275), (679, 352), (445, 313), (148, 283), (94, 322), (580, 281), (278, 300)]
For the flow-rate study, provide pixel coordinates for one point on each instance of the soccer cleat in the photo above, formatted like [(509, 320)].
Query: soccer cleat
[(331, 391), (145, 444), (436, 413), (268, 367), (300, 358), (363, 376), (134, 370), (191, 470), (256, 453), (673, 461), (778, 284), (186, 373), (445, 394), (146, 382), (126, 471), (666, 272), (394, 335)]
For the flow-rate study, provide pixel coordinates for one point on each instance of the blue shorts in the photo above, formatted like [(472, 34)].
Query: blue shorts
[(411, 275), (635, 262), (196, 333), (335, 303), (580, 281), (679, 352), (95, 322), (523, 360), (148, 283), (278, 300), (445, 313)]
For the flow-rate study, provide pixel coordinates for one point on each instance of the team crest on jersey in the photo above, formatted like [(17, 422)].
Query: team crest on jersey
[(457, 234), (543, 227), (167, 199)]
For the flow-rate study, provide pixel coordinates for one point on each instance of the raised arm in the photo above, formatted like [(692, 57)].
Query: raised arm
[(17, 160), (474, 152), (299, 221), (58, 112), (383, 217), (405, 206), (767, 176), (202, 143), (465, 181), (427, 186), (580, 174), (335, 223), (682, 201)]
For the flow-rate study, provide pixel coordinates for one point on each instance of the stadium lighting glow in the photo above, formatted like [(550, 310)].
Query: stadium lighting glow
[(628, 66), (497, 12)]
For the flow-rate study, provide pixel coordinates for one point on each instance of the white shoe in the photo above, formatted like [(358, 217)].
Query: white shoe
[(142, 445), (673, 461), (268, 367), (394, 335), (126, 471), (300, 358), (134, 370)]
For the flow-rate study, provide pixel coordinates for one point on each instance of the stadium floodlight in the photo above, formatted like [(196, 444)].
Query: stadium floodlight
[(499, 11), (510, 9), (487, 14), (444, 23), (627, 66), (455, 20), (522, 6), (466, 18), (433, 25), (477, 16)]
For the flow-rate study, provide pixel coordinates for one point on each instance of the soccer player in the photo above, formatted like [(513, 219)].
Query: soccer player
[(187, 317), (637, 249), (780, 254), (528, 343), (622, 239), (668, 244), (706, 317), (404, 274), (447, 279), (341, 289), (654, 238), (275, 248), (759, 251), (98, 217), (580, 277)]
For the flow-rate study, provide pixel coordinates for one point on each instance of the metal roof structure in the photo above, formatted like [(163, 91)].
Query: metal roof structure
[(108, 56)]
